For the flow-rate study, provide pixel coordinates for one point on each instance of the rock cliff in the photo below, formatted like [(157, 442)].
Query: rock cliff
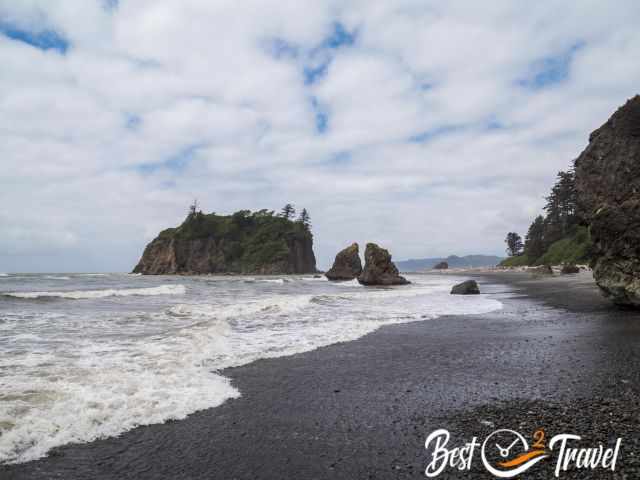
[(347, 264), (608, 189), (245, 242)]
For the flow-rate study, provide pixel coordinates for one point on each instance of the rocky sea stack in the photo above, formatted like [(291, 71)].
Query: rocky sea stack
[(468, 287), (608, 188), (347, 264), (379, 269), (441, 266), (569, 269), (243, 243)]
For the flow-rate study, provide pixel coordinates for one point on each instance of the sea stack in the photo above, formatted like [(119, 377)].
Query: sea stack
[(243, 243), (469, 287), (347, 264), (379, 269), (441, 266), (608, 189)]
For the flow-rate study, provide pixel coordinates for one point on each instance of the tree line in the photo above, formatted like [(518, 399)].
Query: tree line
[(560, 218), (288, 212)]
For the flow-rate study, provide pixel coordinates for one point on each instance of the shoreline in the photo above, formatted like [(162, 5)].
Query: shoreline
[(362, 409)]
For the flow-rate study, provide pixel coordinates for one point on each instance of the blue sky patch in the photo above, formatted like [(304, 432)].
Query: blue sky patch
[(132, 121), (281, 49), (43, 40), (110, 4), (340, 158), (321, 56), (339, 37), (312, 74), (551, 70), (432, 133), (315, 60), (321, 116), (176, 163)]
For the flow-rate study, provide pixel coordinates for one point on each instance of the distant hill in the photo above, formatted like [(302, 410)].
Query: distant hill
[(468, 261)]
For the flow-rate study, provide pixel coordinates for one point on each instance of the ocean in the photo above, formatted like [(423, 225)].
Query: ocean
[(87, 356)]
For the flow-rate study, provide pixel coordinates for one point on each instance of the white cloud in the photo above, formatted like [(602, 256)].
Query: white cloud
[(157, 102)]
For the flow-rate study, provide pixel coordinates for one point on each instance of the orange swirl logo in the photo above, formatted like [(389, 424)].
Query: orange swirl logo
[(510, 467)]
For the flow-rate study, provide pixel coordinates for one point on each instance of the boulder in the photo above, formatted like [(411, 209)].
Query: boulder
[(469, 287), (608, 191), (569, 269), (541, 270), (379, 269), (441, 266), (347, 264)]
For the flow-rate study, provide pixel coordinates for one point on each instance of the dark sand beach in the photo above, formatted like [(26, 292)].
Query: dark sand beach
[(558, 356)]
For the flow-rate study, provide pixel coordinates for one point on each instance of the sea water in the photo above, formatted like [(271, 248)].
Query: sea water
[(87, 356)]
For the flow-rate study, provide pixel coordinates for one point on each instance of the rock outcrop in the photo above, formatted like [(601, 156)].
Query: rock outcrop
[(608, 189), (379, 269), (243, 243), (569, 269), (441, 266), (347, 264), (469, 287)]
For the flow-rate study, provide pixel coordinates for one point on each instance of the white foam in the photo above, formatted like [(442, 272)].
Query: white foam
[(275, 304), (163, 366), (53, 277), (88, 294), (110, 392), (4, 274)]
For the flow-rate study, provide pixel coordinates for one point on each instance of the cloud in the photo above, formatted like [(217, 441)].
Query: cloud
[(431, 128)]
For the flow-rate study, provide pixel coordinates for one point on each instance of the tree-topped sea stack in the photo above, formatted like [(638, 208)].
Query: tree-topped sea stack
[(245, 242), (441, 266), (379, 269), (347, 264), (608, 185)]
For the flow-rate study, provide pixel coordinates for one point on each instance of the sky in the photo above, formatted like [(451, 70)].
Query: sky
[(431, 128)]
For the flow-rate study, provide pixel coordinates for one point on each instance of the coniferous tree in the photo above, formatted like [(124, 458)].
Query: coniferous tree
[(288, 211), (514, 244), (193, 208), (534, 246), (561, 208), (304, 218)]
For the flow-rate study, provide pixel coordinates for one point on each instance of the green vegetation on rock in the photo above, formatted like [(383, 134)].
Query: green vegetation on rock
[(244, 242), (558, 237), (516, 261), (571, 250)]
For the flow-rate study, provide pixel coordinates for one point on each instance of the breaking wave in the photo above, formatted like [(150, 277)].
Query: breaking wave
[(109, 292)]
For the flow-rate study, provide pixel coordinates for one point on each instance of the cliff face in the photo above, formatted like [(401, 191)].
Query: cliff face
[(245, 242), (608, 186)]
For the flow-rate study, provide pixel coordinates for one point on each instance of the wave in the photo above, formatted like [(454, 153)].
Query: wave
[(277, 304), (268, 280), (4, 274), (89, 294), (53, 277), (175, 367)]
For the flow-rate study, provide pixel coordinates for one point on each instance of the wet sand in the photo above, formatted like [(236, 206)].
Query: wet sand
[(557, 356)]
